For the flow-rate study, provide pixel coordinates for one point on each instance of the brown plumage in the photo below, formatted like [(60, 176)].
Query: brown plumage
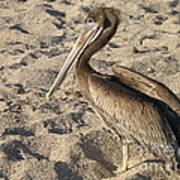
[(125, 109), (147, 86)]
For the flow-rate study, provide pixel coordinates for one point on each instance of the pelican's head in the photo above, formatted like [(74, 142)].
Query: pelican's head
[(99, 27)]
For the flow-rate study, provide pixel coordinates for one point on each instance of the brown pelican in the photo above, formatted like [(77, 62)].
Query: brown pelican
[(131, 114)]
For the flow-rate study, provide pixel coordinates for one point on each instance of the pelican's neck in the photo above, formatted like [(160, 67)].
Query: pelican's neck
[(83, 69), (83, 72)]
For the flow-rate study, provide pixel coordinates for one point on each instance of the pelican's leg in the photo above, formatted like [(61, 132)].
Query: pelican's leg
[(125, 155)]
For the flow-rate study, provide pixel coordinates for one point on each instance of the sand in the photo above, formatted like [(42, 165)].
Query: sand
[(63, 138)]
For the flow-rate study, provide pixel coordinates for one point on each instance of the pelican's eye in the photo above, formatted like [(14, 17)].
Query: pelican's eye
[(90, 20), (89, 24)]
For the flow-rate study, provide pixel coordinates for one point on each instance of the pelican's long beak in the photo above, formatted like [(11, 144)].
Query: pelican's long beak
[(81, 44)]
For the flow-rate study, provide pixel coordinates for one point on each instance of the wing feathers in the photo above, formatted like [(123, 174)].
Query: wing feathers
[(147, 85), (134, 114)]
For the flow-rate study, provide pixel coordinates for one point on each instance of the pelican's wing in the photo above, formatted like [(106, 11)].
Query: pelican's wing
[(147, 86), (131, 113)]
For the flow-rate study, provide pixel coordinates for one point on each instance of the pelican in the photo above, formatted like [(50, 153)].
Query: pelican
[(133, 114)]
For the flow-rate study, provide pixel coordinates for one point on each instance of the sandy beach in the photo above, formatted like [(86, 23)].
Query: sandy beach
[(63, 138)]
